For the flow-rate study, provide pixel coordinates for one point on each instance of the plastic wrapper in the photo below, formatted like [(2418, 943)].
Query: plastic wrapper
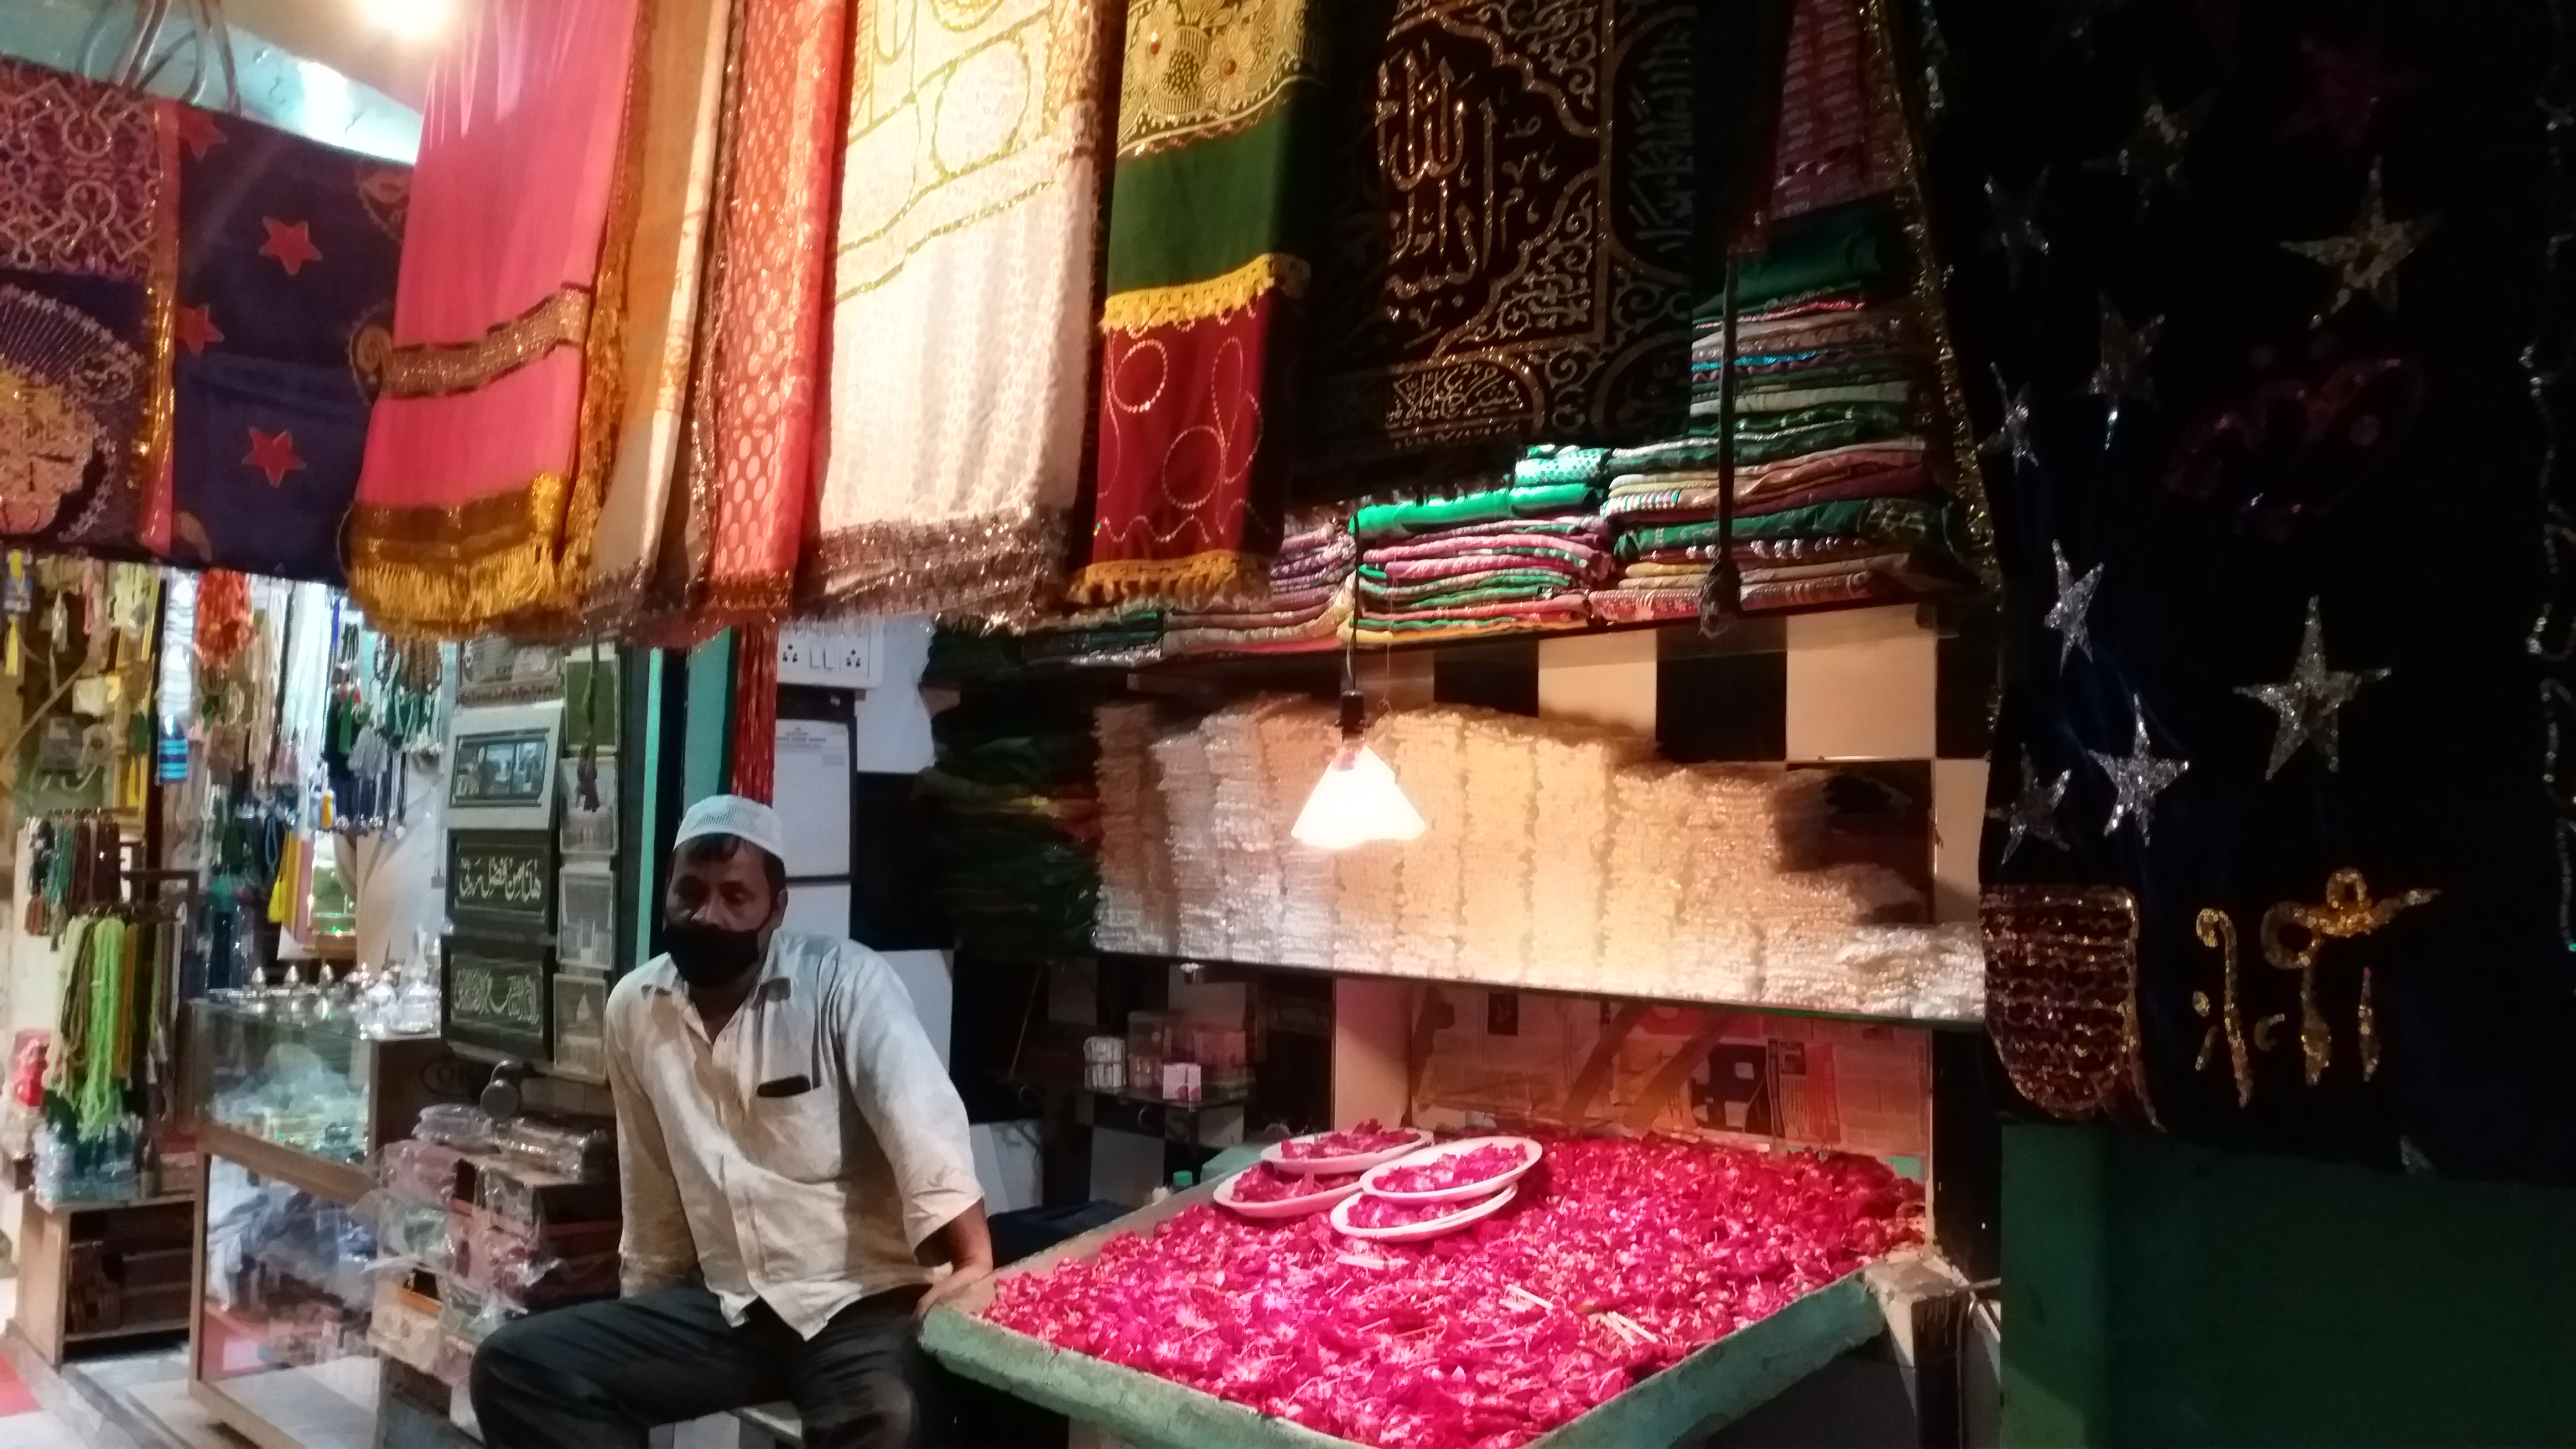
[(404, 1326), (569, 1150), (409, 1231), (423, 1172), (467, 1129), (455, 1360), (73, 1167), (468, 1314)]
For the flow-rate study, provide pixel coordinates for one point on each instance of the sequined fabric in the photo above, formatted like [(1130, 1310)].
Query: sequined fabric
[(961, 324), (1510, 260), (277, 368), (476, 506), (88, 263), (2061, 996), (686, 46), (1211, 232), (2223, 322), (752, 447)]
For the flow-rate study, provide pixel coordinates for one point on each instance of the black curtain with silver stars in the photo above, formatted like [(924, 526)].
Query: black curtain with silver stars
[(2264, 308)]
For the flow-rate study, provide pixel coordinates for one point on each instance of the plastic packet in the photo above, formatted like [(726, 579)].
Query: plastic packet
[(424, 1172), (582, 1154), (468, 1129)]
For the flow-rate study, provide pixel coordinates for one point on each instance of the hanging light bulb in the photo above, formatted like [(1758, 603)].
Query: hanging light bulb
[(411, 20), (1357, 800)]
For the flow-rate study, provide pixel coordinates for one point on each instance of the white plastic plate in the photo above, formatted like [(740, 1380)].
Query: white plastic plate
[(1530, 1151), (1352, 1162), (1417, 1232), (1286, 1207)]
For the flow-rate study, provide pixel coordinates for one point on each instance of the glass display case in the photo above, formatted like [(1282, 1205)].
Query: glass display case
[(281, 1352), (293, 1096), (297, 1072)]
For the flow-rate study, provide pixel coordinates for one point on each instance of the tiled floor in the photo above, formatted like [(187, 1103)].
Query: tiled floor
[(134, 1401)]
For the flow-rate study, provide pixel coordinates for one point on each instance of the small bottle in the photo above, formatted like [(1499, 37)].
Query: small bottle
[(1180, 1183)]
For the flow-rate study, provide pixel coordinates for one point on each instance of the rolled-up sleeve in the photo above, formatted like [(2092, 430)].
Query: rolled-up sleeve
[(654, 1249), (901, 1089)]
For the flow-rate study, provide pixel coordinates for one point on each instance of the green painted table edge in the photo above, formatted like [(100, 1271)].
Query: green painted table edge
[(1711, 1388)]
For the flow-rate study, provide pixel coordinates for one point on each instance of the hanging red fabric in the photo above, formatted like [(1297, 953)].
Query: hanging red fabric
[(755, 710)]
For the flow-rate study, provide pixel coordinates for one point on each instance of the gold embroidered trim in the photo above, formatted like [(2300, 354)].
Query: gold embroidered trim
[(994, 569), (603, 377), (747, 599), (1150, 307), (1197, 68), (449, 572), (1201, 578), (437, 369), (153, 482)]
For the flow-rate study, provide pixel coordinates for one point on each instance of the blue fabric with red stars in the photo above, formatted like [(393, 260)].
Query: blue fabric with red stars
[(288, 250)]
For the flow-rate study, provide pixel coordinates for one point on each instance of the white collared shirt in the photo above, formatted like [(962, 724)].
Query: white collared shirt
[(808, 1200)]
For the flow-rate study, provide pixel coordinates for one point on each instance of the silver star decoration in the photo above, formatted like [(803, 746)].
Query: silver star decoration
[(1934, 51), (2136, 779), (2075, 20), (2033, 813), (2074, 600), (2366, 258), (2122, 373), (2012, 439), (2308, 700), (2153, 153), (2016, 229)]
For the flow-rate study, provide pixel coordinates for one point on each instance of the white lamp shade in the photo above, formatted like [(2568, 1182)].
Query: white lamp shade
[(1357, 801)]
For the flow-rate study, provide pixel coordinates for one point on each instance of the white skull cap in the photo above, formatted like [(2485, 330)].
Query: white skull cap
[(734, 815)]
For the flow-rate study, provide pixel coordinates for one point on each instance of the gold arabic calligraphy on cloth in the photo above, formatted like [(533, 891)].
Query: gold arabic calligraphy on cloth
[(1514, 265)]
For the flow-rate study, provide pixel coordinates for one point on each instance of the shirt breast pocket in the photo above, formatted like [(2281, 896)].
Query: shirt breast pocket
[(800, 1136)]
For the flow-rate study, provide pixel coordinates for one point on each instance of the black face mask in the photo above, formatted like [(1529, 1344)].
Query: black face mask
[(708, 956)]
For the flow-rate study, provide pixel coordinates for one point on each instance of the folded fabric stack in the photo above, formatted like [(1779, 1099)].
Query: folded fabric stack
[(1122, 637), (1836, 495), (1013, 826), (1306, 603), (1518, 553)]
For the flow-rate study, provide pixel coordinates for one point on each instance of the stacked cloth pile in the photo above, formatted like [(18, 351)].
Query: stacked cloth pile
[(1519, 552), (1837, 495), (1013, 823), (1305, 601)]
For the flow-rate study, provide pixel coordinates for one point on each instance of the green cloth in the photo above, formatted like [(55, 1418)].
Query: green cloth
[(1484, 589), (1560, 465), (1768, 438), (1201, 210), (1377, 571), (1855, 245), (1914, 522), (1380, 522)]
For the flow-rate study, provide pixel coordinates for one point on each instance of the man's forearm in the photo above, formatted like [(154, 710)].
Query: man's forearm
[(966, 1240), (968, 1243)]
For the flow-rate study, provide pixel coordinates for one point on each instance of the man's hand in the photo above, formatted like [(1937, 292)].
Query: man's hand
[(948, 1288), (969, 1246)]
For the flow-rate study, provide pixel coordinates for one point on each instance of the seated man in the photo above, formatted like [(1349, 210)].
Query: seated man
[(792, 1154)]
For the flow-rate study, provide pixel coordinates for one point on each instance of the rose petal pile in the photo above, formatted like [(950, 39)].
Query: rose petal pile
[(1491, 1336), (1477, 1164), (1386, 1212), (1265, 1183), (1369, 1136)]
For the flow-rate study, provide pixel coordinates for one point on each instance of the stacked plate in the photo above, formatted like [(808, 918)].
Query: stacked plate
[(1310, 1173), (1436, 1190)]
